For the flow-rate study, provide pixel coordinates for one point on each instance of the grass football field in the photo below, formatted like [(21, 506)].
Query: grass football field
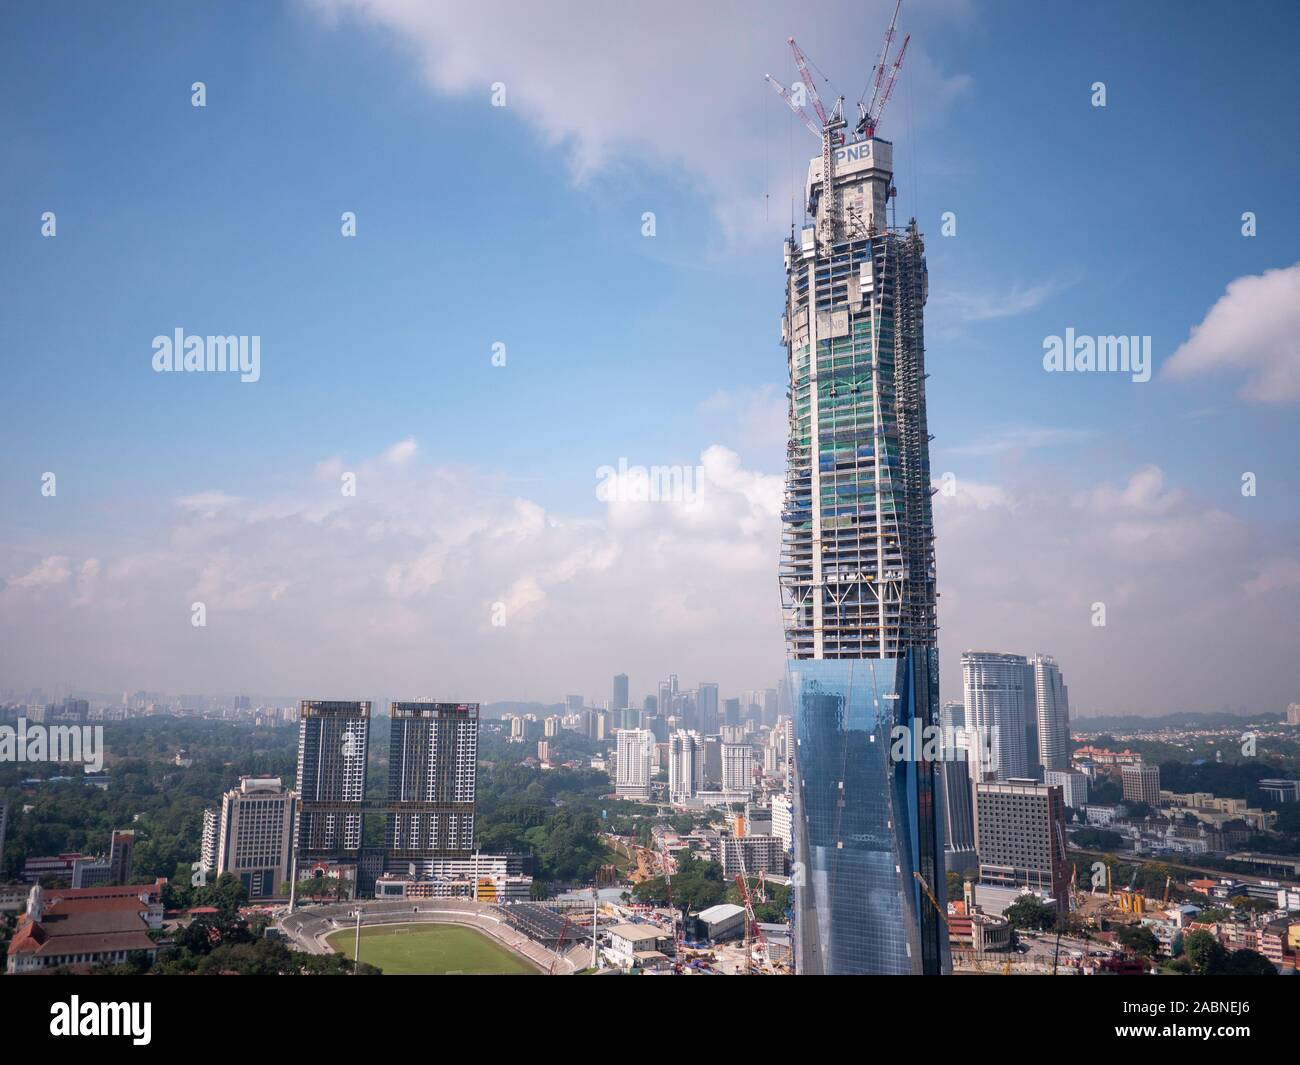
[(431, 950)]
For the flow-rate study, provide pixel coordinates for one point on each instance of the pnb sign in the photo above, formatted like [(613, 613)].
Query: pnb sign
[(853, 153), (864, 155)]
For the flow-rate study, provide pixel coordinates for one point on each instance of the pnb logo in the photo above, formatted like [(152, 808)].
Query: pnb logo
[(853, 153)]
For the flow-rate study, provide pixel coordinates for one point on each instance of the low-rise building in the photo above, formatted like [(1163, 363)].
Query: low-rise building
[(76, 929), (627, 941), (719, 923)]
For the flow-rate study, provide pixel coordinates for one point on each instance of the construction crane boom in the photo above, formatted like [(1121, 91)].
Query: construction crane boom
[(802, 63), (803, 115), (878, 72), (885, 75)]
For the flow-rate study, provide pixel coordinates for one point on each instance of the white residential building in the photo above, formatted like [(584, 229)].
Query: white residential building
[(685, 765), (634, 760), (737, 767)]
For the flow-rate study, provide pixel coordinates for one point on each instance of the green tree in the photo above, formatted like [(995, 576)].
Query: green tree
[(1248, 963), (1029, 912), (1139, 939), (1205, 952)]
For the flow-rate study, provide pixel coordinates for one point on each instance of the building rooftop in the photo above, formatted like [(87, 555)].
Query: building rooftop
[(720, 912)]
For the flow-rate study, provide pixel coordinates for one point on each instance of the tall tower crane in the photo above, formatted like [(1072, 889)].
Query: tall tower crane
[(751, 920)]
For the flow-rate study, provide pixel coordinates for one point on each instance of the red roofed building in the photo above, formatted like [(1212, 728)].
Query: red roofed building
[(79, 928)]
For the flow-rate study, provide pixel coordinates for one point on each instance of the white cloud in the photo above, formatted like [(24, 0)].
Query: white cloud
[(394, 588), (1254, 327), (1020, 438), (753, 417), (674, 84), (393, 591), (988, 304), (1020, 565), (50, 571), (401, 451)]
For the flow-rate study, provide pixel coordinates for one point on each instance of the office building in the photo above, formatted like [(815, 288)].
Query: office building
[(333, 740), (958, 804), (706, 709), (1020, 837), (952, 717), (1073, 785), (121, 851), (783, 820), (1281, 790), (632, 774), (255, 837), (620, 700), (760, 854), (1141, 783), (998, 699), (432, 769), (858, 573)]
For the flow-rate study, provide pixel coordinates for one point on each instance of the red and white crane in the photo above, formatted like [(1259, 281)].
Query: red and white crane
[(882, 84), (829, 127)]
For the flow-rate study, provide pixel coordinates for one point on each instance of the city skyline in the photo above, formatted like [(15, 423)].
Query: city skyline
[(1068, 490)]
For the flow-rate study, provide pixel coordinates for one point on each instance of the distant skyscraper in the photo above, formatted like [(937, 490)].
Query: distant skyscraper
[(731, 712), (996, 707), (1052, 706), (685, 765), (433, 766), (706, 709), (858, 576), (620, 701), (121, 851), (632, 776), (333, 740)]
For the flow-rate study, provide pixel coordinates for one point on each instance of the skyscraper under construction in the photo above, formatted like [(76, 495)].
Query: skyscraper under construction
[(857, 572)]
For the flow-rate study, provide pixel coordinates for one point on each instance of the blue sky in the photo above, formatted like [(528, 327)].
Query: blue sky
[(522, 225)]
